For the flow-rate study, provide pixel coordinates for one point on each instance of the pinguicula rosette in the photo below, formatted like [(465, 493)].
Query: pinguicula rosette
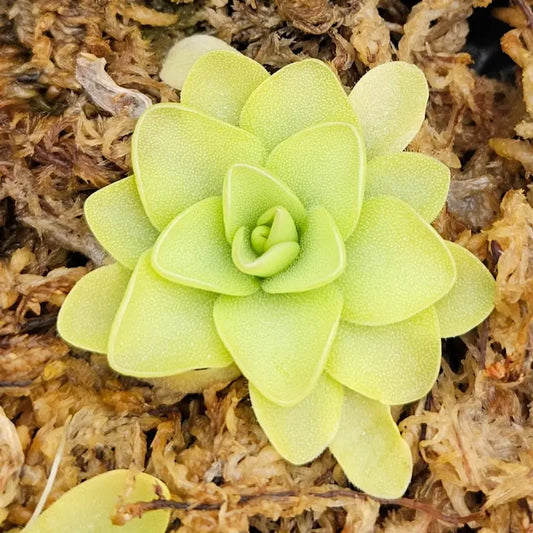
[(275, 223)]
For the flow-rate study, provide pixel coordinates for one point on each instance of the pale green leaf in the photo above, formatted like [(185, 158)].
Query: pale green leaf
[(181, 156), (397, 265), (274, 260), (392, 364), (197, 381), (471, 299), (220, 82), (163, 328), (86, 315), (325, 164), (301, 432), (249, 192), (322, 258), (90, 506), (370, 449), (280, 226), (193, 251), (417, 179), (297, 96), (280, 342), (390, 104), (116, 217), (185, 53), (259, 236)]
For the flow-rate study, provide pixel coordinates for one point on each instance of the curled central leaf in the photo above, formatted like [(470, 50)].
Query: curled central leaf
[(274, 226), (270, 247)]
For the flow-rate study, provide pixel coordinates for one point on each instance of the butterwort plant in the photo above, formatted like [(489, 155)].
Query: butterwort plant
[(275, 223)]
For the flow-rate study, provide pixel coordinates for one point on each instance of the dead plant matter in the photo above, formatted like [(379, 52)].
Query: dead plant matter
[(471, 437)]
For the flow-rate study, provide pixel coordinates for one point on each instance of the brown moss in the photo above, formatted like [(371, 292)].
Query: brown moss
[(471, 437)]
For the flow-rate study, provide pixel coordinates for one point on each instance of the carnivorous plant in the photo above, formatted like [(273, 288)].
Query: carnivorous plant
[(274, 223)]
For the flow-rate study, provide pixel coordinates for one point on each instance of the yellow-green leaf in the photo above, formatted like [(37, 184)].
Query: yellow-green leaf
[(116, 217), (163, 328), (193, 251), (251, 191), (397, 265), (87, 313), (297, 96), (181, 156), (185, 53), (90, 506), (392, 364), (471, 299), (325, 165), (220, 82), (390, 104), (370, 449), (301, 432), (322, 258), (274, 260), (280, 342), (419, 180)]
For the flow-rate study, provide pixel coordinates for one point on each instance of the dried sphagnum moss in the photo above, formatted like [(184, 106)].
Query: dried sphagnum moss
[(471, 437)]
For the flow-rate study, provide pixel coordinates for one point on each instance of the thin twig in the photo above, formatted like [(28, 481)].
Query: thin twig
[(134, 510), (52, 476), (39, 322), (26, 383)]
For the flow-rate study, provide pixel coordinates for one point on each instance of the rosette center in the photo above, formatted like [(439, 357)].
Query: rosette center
[(273, 227), (270, 247)]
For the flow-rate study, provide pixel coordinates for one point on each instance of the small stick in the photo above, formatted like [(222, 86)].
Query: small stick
[(15, 383), (52, 476), (39, 322), (129, 511)]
